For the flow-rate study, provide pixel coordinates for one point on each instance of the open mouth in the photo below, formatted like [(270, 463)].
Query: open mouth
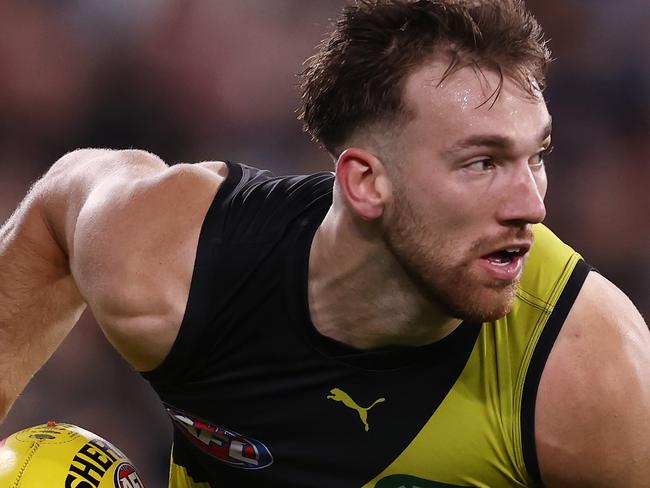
[(505, 256)]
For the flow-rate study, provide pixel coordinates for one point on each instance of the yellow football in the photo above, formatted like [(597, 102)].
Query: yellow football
[(57, 455)]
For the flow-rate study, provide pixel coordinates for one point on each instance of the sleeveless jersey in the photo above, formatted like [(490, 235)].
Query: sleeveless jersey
[(259, 398)]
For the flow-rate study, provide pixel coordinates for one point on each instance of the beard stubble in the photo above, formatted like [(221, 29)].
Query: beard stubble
[(429, 260)]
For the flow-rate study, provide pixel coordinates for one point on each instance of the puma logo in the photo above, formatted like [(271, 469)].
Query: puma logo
[(339, 395)]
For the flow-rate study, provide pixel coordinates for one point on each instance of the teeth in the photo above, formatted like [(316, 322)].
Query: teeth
[(513, 250)]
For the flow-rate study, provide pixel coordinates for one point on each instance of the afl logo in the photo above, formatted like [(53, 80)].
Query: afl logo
[(223, 444), (126, 477)]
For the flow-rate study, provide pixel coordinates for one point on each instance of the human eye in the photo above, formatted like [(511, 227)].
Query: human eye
[(539, 159), (481, 165)]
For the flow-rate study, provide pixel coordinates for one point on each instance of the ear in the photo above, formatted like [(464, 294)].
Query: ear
[(364, 182)]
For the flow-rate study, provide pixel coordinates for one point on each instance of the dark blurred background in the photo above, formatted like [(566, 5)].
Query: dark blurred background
[(198, 80)]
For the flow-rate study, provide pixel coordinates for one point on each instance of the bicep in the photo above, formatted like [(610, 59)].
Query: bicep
[(134, 250), (593, 404)]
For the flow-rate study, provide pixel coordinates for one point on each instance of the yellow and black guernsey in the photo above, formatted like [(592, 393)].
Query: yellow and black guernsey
[(258, 398)]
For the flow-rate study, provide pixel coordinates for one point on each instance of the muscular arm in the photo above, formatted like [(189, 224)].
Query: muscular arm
[(39, 301), (593, 403), (114, 229)]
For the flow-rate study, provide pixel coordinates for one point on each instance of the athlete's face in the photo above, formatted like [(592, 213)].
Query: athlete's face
[(468, 185)]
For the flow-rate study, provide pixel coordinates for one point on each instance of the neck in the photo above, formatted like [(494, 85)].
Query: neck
[(361, 296)]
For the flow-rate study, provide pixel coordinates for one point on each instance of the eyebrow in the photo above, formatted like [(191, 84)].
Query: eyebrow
[(493, 140)]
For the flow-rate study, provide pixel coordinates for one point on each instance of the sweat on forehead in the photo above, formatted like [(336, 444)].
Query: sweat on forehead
[(471, 84)]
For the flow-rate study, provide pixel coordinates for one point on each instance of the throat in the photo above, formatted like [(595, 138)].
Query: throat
[(368, 312), (359, 295)]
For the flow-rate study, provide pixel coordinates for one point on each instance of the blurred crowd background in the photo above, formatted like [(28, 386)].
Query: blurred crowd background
[(216, 79)]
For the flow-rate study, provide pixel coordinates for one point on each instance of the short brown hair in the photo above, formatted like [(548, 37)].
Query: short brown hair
[(358, 75)]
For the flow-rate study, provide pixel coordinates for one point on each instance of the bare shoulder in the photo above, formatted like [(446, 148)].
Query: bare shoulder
[(134, 247), (593, 405)]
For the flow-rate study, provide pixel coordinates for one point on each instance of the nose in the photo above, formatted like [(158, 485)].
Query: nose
[(523, 199)]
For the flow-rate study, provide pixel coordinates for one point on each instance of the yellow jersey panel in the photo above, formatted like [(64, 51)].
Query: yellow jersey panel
[(179, 478)]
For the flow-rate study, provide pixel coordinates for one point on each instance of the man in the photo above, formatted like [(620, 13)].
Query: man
[(392, 325)]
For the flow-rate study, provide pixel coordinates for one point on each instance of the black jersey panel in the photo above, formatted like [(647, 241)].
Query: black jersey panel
[(538, 361), (244, 223)]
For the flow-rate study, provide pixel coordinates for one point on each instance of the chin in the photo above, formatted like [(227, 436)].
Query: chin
[(481, 304), (482, 314)]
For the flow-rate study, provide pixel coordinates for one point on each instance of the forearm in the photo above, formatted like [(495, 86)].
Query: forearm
[(39, 302)]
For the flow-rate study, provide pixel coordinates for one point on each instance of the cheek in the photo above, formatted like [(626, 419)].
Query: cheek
[(451, 221), (440, 204)]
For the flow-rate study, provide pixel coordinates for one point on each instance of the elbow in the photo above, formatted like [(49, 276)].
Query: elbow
[(63, 191), (72, 160), (97, 159), (73, 176)]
